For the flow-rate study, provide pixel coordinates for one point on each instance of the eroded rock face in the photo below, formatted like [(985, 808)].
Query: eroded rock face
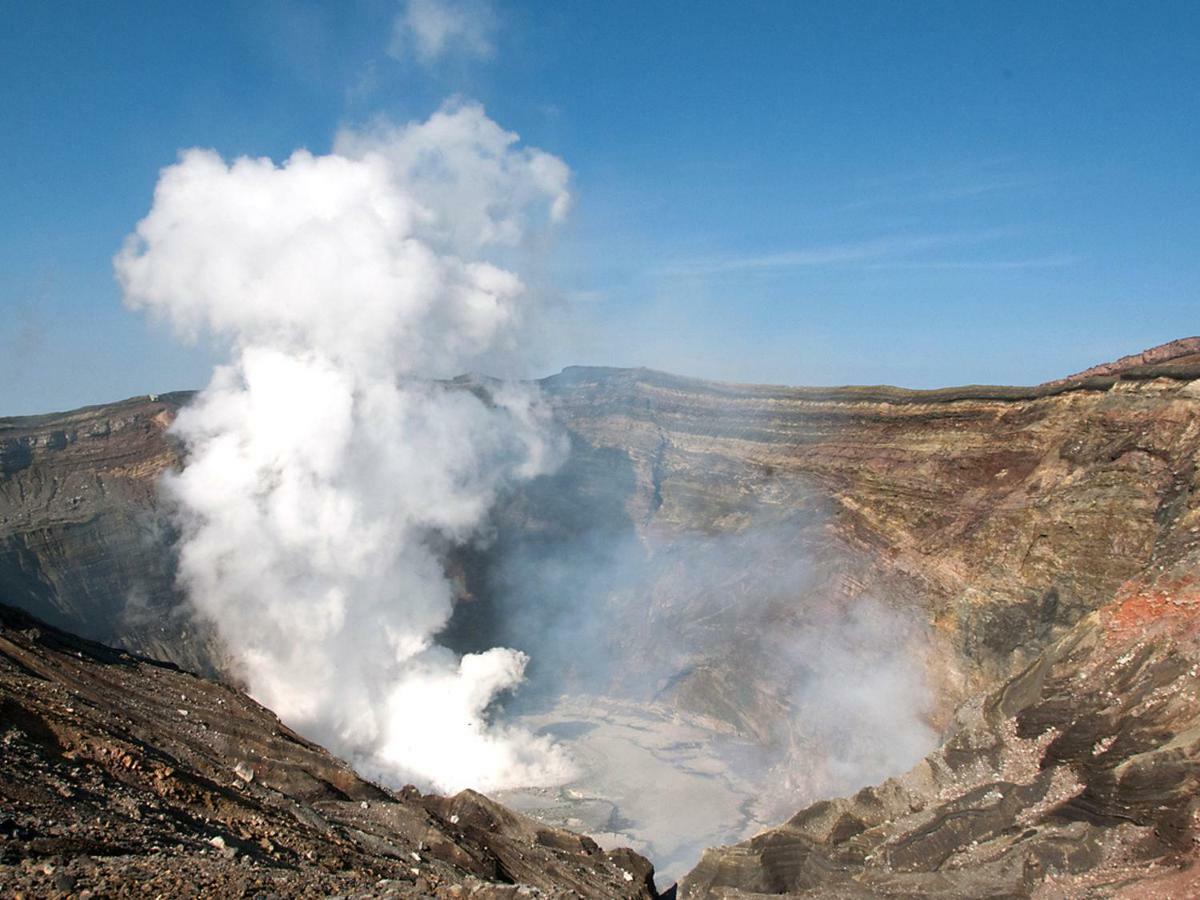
[(997, 517), (119, 775), (1077, 778), (993, 518), (84, 542), (1000, 521)]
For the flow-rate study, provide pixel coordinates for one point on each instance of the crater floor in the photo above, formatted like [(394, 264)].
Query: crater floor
[(662, 783)]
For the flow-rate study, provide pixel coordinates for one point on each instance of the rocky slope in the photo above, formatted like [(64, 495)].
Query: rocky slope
[(705, 525), (122, 776), (1077, 778)]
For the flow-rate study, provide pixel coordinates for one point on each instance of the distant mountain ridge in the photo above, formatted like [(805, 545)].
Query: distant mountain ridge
[(1180, 352)]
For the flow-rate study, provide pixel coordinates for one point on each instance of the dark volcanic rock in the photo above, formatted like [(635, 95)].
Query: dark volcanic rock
[(122, 776)]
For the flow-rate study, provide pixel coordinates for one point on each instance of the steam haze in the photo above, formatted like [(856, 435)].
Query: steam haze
[(725, 672), (333, 476)]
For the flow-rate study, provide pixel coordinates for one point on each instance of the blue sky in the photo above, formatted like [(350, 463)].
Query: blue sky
[(812, 193)]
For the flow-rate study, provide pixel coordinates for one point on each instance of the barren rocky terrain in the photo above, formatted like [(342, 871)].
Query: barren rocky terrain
[(1003, 515), (1032, 549), (1077, 778), (121, 776)]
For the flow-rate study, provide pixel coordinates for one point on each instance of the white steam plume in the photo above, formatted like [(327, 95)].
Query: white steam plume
[(324, 468)]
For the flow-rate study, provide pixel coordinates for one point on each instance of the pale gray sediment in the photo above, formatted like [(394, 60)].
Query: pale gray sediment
[(651, 779)]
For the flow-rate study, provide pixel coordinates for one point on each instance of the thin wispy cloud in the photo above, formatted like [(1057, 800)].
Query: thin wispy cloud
[(1040, 262), (947, 193), (968, 190), (871, 249), (963, 182), (430, 30)]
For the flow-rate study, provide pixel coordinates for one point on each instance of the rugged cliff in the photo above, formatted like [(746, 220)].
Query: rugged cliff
[(1003, 514), (719, 524), (1000, 516), (1077, 778), (84, 543)]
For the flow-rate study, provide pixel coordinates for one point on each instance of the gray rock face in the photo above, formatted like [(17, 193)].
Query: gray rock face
[(84, 542)]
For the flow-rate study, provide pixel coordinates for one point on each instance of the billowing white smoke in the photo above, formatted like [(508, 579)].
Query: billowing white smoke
[(324, 467)]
